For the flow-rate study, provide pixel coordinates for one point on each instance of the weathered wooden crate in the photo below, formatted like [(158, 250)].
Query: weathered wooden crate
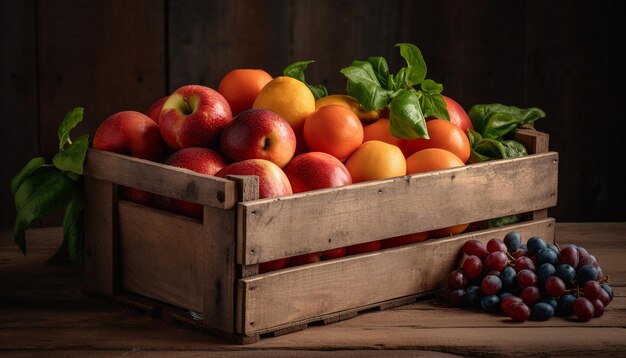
[(170, 264)]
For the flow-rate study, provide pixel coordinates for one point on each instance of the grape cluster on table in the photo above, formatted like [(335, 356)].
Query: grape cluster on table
[(535, 280)]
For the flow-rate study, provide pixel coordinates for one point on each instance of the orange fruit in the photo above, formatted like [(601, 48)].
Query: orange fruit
[(435, 159), (444, 135), (375, 160), (288, 97), (379, 130), (348, 102), (240, 87), (431, 159), (333, 129)]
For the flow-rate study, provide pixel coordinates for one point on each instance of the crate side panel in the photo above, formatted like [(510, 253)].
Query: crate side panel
[(161, 255), (338, 217), (304, 293), (161, 179)]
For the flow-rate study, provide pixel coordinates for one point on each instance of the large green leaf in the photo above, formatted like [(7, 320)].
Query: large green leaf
[(72, 158), (71, 120)]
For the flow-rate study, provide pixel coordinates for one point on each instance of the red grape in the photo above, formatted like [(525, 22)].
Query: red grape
[(592, 290), (569, 255), (598, 307), (491, 285), (518, 311), (583, 309), (472, 266), (507, 301), (474, 247), (524, 262), (496, 261), (605, 297), (495, 245), (530, 295), (526, 278), (456, 280), (555, 287)]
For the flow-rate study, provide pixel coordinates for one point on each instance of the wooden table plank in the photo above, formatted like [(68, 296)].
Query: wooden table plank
[(43, 310)]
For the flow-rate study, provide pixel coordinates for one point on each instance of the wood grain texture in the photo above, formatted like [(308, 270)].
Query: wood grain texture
[(18, 95), (288, 297), (161, 256), (161, 179), (371, 211), (101, 237), (44, 312)]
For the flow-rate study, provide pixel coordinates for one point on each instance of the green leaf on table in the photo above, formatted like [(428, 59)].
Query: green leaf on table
[(40, 194), (406, 119), (26, 172), (72, 158), (493, 121), (416, 66), (71, 120), (363, 85), (296, 70)]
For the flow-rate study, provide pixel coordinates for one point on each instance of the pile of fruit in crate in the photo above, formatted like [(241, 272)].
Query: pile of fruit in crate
[(535, 280)]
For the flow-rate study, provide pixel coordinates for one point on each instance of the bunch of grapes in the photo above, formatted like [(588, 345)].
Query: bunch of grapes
[(535, 280)]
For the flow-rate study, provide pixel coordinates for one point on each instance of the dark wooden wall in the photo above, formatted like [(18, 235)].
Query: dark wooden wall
[(112, 55)]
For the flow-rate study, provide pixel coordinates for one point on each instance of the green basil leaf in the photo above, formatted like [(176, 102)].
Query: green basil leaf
[(505, 220), (496, 120), (433, 104), (72, 158), (511, 149), (432, 87), (71, 120), (73, 224), (39, 195), (483, 149), (406, 119), (26, 172), (365, 87), (296, 70), (416, 65), (381, 69)]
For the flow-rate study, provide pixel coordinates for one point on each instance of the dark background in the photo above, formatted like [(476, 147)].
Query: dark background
[(108, 56)]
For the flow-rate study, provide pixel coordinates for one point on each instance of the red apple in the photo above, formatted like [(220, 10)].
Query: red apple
[(304, 259), (316, 170), (154, 111), (200, 160), (194, 116), (457, 114), (272, 180), (363, 247), (404, 240), (273, 265), (258, 134)]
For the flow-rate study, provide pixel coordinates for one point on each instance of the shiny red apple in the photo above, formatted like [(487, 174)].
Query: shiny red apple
[(272, 180), (154, 111), (316, 170), (457, 114)]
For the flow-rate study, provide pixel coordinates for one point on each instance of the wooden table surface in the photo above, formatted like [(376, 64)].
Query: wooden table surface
[(43, 311)]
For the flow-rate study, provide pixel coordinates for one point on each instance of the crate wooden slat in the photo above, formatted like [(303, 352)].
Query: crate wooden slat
[(276, 299), (338, 217)]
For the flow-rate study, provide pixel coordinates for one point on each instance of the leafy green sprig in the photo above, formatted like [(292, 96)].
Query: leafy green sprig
[(40, 189), (371, 83)]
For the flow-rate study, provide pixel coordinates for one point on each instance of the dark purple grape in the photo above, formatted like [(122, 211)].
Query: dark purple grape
[(542, 311), (518, 311), (495, 245), (495, 273), (569, 255), (543, 272), (472, 266), (545, 255), (605, 298), (512, 240), (457, 297), (456, 280), (491, 285), (586, 273), (587, 260), (535, 244), (490, 303), (520, 252), (524, 262), (592, 290), (504, 294), (526, 278), (549, 300), (564, 305), (508, 278), (506, 302), (581, 250), (473, 296), (598, 307), (530, 295), (566, 272), (554, 248), (583, 309), (474, 247), (555, 287), (496, 261), (608, 290)]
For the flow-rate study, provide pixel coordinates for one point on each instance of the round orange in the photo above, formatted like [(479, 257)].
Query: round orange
[(431, 159), (240, 87), (376, 160), (333, 129), (444, 135), (379, 130)]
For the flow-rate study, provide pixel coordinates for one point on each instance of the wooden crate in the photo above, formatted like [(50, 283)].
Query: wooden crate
[(169, 264)]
